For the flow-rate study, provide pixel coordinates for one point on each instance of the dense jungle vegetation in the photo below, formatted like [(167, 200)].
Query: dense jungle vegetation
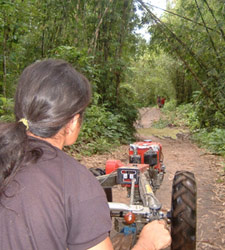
[(183, 61)]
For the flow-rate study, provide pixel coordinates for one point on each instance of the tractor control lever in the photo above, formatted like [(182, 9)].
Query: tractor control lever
[(147, 195)]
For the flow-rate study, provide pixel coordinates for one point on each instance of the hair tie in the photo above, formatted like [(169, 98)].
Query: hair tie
[(25, 122)]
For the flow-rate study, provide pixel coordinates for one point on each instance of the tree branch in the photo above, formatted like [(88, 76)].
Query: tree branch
[(185, 18), (95, 38), (212, 13), (207, 93), (210, 38), (155, 18)]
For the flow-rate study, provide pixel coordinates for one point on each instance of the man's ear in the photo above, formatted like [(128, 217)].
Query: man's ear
[(73, 124)]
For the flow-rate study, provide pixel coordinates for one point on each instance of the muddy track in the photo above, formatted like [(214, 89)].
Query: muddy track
[(182, 154)]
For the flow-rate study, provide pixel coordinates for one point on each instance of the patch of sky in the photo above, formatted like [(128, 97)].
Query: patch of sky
[(143, 31)]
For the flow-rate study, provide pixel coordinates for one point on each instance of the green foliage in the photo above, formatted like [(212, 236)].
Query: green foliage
[(213, 140), (101, 130), (127, 107), (197, 45), (170, 105), (169, 116), (161, 123), (207, 116), (96, 37), (80, 60), (6, 109), (187, 116), (150, 76)]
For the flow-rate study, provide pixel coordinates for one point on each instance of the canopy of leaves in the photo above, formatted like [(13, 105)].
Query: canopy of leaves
[(194, 36), (184, 59), (96, 37)]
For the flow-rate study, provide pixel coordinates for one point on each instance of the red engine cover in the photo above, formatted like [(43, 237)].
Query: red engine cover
[(144, 146), (112, 165)]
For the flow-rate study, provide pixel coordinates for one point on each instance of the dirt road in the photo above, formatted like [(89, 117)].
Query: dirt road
[(181, 154)]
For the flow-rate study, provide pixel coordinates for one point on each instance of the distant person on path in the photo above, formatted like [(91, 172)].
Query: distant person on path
[(163, 99), (159, 101), (48, 200)]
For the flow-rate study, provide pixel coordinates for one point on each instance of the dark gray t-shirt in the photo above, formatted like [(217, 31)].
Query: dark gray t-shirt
[(56, 204)]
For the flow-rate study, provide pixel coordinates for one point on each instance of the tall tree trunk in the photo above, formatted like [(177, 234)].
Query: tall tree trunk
[(202, 65), (218, 25), (94, 40), (43, 43), (5, 54), (122, 35), (210, 37), (76, 17)]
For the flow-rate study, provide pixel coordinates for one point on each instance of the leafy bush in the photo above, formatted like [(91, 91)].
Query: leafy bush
[(127, 109), (105, 124), (161, 123), (211, 138), (79, 59), (101, 130), (213, 141), (208, 114), (169, 115), (6, 109), (170, 105), (187, 116)]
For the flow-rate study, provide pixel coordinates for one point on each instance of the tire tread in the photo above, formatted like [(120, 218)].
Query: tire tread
[(183, 222)]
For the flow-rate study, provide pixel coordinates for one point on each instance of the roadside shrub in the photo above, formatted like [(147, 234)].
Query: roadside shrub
[(169, 115), (101, 130), (170, 105), (187, 116), (6, 109), (211, 138), (214, 141), (80, 60), (161, 123), (127, 110), (208, 114)]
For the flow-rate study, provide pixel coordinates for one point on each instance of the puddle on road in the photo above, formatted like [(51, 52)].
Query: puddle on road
[(161, 133)]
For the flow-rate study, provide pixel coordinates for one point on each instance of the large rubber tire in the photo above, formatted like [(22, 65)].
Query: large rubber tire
[(183, 212)]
